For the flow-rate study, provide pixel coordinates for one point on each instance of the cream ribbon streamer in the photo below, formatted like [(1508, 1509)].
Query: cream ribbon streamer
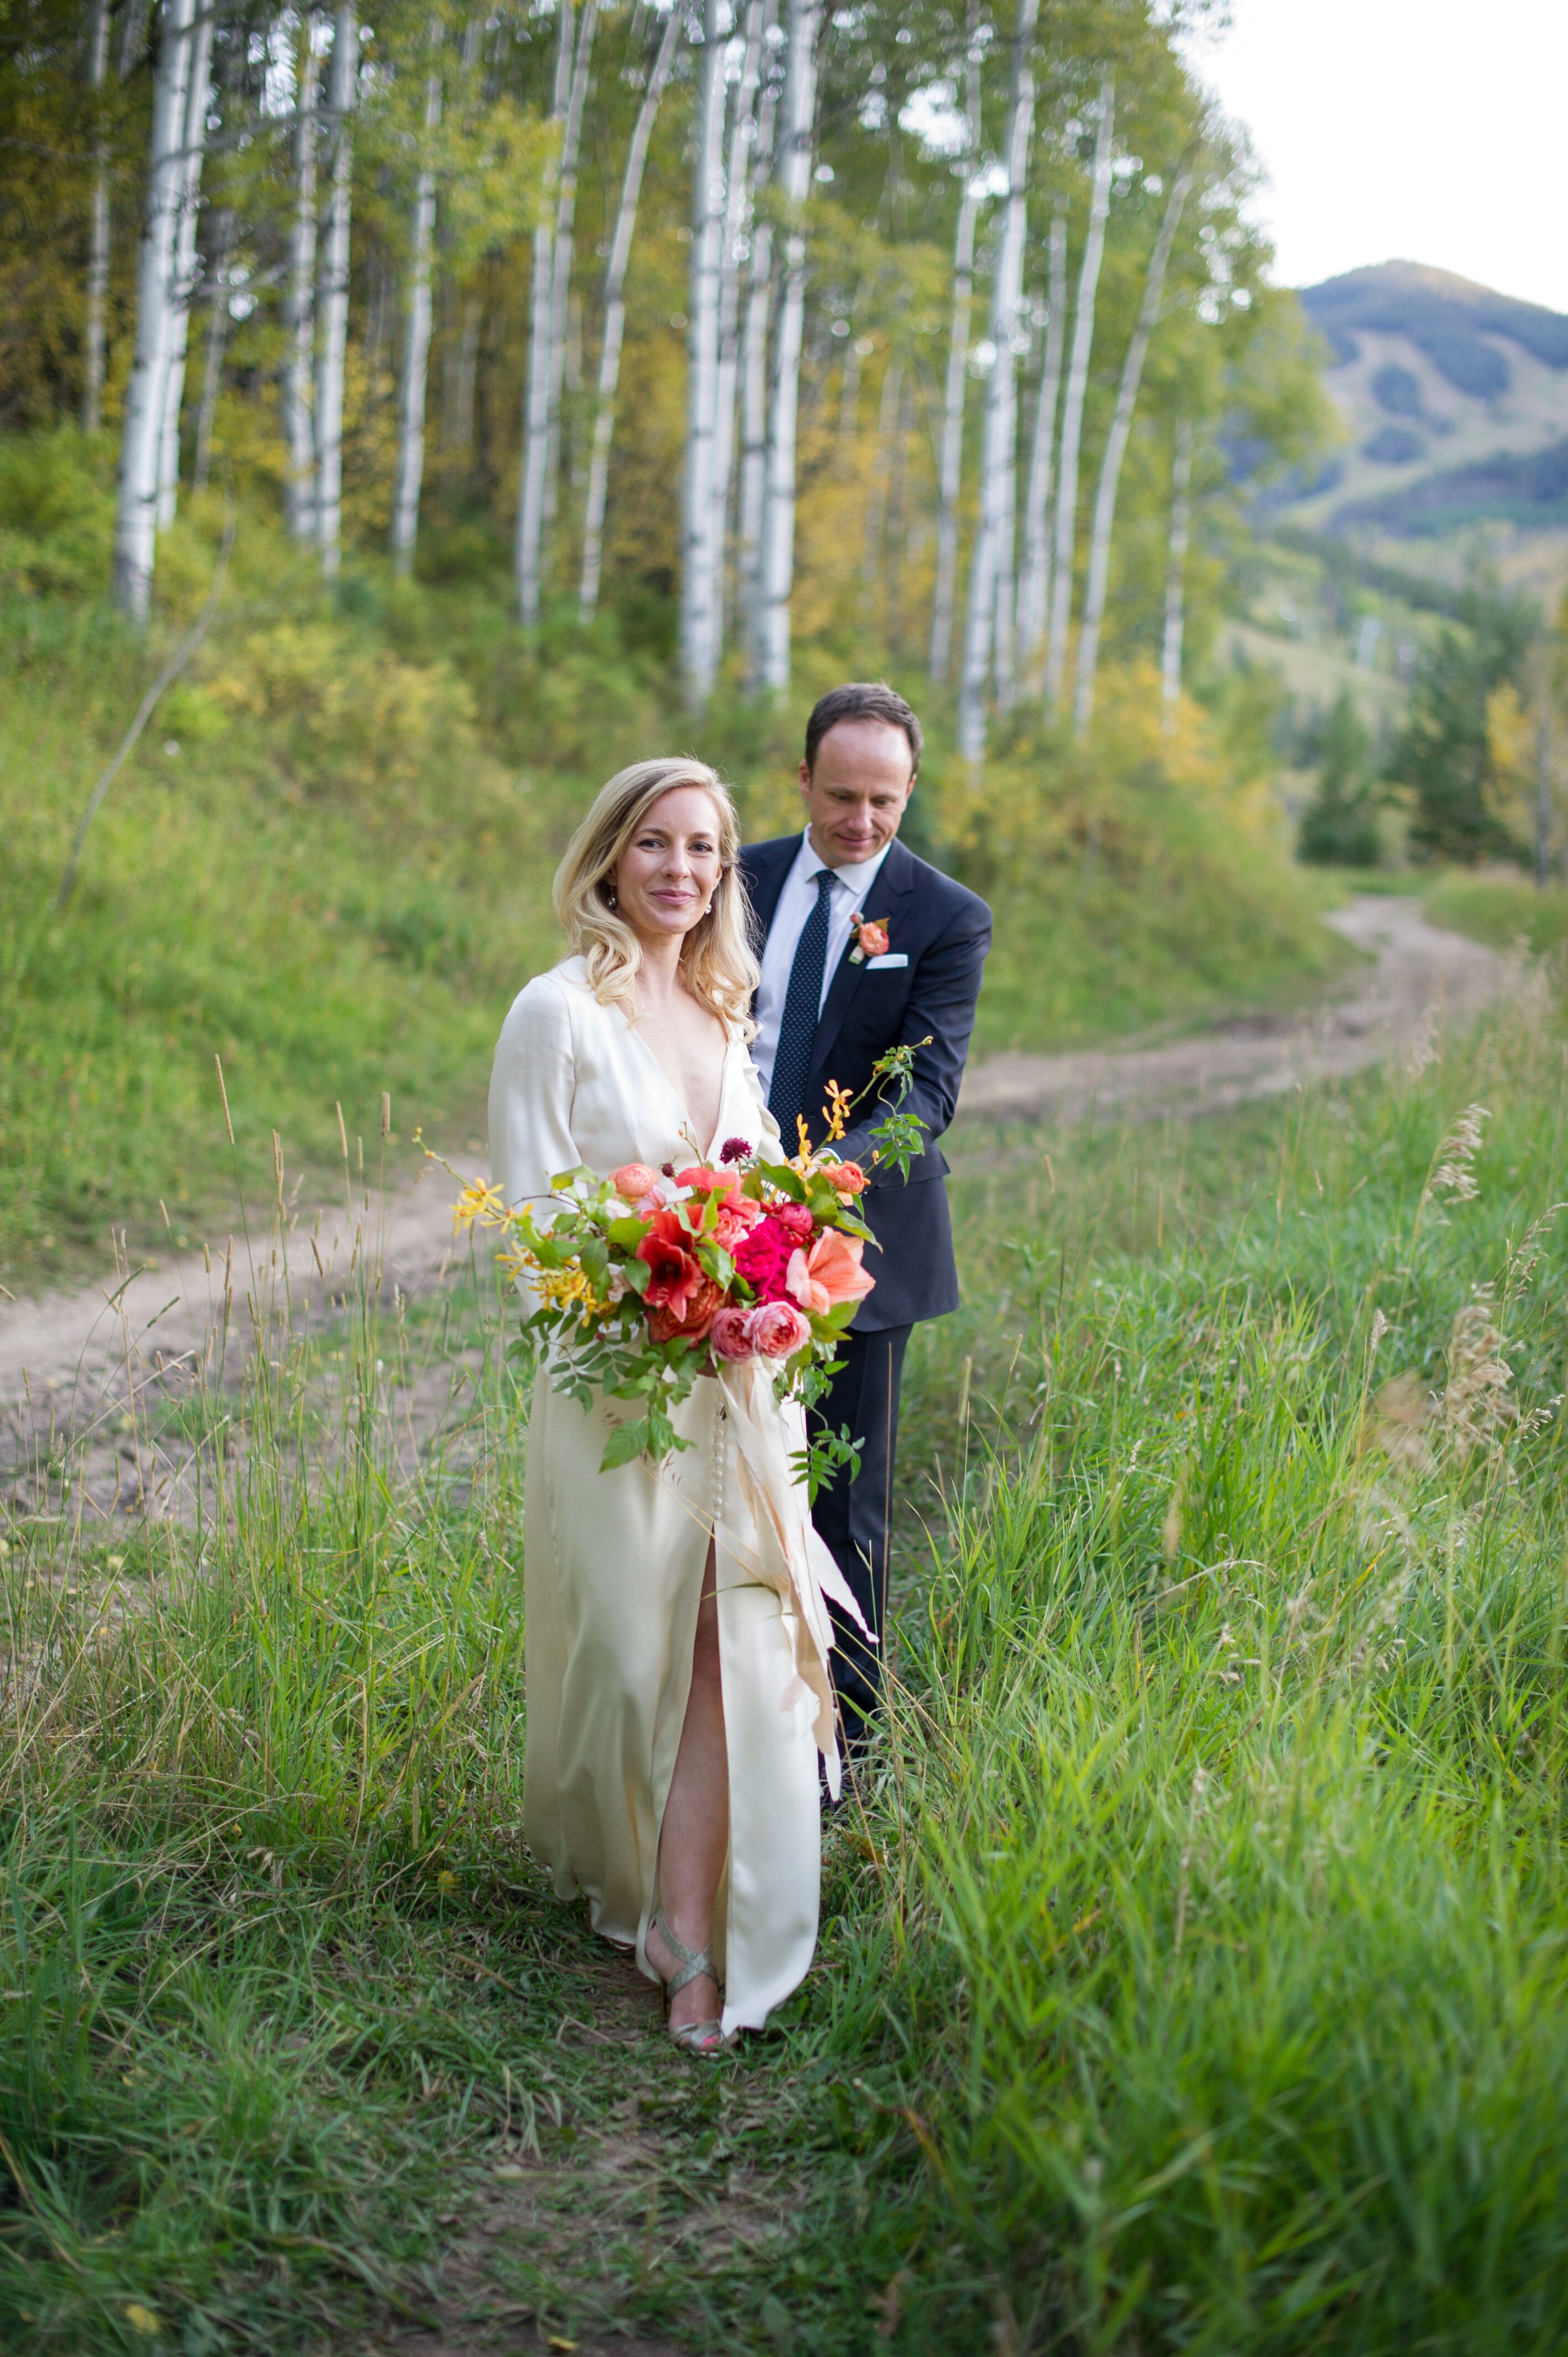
[(789, 1556)]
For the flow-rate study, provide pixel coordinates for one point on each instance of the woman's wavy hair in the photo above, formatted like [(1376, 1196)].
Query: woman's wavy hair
[(717, 963)]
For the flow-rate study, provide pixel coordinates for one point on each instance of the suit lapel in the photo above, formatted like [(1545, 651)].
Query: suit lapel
[(895, 882), (766, 865)]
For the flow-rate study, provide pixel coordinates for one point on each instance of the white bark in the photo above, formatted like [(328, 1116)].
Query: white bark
[(198, 91), (141, 437), (754, 379), (415, 348), (333, 302), (1116, 450), (949, 463), (1035, 591), (561, 283), (217, 339), (536, 393), (990, 564), (299, 307), (1176, 569), (1072, 407), (792, 178), (700, 543), (92, 334), (615, 315), (737, 212)]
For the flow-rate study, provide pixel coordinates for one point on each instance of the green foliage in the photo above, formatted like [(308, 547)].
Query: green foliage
[(1441, 756), (1495, 908), (1339, 825)]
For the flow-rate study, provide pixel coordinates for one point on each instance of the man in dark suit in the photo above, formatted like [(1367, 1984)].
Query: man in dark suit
[(828, 1007)]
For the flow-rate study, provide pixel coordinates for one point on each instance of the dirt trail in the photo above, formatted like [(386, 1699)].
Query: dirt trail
[(72, 1360), (1423, 975)]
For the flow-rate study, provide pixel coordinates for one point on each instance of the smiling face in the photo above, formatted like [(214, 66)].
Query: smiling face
[(670, 869), (857, 791)]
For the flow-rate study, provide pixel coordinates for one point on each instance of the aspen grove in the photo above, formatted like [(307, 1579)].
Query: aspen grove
[(737, 327)]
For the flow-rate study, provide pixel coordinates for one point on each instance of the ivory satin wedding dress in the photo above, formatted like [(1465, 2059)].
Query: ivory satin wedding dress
[(614, 1562)]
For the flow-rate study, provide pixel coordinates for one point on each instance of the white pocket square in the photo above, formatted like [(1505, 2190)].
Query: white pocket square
[(888, 957)]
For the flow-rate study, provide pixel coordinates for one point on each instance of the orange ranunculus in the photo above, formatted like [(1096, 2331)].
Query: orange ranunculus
[(835, 1267), (691, 1321), (873, 939), (844, 1177), (633, 1180)]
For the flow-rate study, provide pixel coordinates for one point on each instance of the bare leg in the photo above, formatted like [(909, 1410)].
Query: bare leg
[(694, 1836)]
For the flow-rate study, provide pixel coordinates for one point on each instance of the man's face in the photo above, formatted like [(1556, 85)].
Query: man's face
[(858, 791)]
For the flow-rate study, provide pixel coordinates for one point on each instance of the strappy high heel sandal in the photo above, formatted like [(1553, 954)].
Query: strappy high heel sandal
[(704, 2038)]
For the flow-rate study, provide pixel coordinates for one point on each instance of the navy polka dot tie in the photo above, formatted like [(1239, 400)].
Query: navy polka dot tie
[(798, 1025)]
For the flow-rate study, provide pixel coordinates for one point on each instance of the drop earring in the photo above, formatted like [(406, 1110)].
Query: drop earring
[(610, 898)]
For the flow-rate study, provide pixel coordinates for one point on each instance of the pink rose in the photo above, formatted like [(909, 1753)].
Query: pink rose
[(776, 1329), (795, 1222), (729, 1335), (633, 1180)]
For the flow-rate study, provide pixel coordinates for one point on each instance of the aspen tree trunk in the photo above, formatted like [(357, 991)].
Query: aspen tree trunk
[(737, 203), (1035, 593), (1116, 450), (1006, 602), (792, 176), (198, 91), (949, 463), (415, 349), (299, 308), (92, 334), (536, 394), (467, 370), (132, 36), (615, 317), (216, 341), (561, 284), (699, 553), (1175, 569), (342, 86), (754, 381), (142, 434), (1072, 407), (990, 564)]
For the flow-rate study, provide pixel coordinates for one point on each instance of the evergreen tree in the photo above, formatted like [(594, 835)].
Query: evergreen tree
[(1442, 755), (1339, 825)]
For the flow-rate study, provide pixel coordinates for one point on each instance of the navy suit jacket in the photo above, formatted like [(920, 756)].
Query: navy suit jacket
[(944, 931)]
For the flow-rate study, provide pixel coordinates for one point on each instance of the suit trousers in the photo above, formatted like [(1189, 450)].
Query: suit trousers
[(854, 1518)]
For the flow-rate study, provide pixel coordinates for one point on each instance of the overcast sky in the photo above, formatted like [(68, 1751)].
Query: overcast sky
[(1426, 130)]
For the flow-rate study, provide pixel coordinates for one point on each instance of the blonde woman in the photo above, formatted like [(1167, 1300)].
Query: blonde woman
[(673, 1737)]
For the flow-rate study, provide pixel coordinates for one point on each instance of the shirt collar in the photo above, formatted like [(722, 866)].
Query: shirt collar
[(857, 880)]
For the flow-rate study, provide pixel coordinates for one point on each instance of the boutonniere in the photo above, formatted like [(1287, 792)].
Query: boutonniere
[(871, 939)]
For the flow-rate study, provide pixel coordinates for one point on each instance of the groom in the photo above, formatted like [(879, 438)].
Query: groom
[(830, 1005)]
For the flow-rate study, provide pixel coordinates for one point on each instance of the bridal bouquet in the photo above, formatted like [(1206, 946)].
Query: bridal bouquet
[(647, 1279)]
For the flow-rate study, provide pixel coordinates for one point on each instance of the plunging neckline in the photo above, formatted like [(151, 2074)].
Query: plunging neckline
[(681, 1106)]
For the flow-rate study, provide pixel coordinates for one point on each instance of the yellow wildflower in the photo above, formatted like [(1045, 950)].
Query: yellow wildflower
[(480, 1201)]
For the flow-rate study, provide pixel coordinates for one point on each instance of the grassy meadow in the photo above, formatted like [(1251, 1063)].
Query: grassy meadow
[(329, 858), (1193, 1969)]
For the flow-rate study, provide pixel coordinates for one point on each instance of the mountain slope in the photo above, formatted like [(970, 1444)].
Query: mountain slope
[(1455, 403)]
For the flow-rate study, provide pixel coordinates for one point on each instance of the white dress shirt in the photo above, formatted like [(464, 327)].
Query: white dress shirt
[(852, 889)]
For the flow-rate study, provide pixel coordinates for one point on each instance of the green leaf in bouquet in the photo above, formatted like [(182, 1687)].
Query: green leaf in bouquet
[(626, 1441), (637, 1274), (562, 1180), (718, 1262), (628, 1233)]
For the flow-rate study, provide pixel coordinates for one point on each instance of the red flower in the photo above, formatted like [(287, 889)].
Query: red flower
[(676, 1276), (736, 1150), (691, 1317), (795, 1222), (764, 1258), (703, 1180)]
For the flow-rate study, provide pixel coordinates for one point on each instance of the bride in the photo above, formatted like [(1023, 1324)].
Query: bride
[(676, 1695)]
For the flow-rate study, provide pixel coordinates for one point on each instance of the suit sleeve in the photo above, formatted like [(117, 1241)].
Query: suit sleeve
[(940, 1008)]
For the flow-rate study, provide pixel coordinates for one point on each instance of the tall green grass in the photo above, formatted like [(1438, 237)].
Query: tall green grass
[(1193, 1965)]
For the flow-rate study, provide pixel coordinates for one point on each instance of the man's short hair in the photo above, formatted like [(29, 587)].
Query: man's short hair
[(863, 699)]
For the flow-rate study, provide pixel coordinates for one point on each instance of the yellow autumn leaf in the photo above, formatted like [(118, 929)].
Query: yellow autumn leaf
[(142, 2319)]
